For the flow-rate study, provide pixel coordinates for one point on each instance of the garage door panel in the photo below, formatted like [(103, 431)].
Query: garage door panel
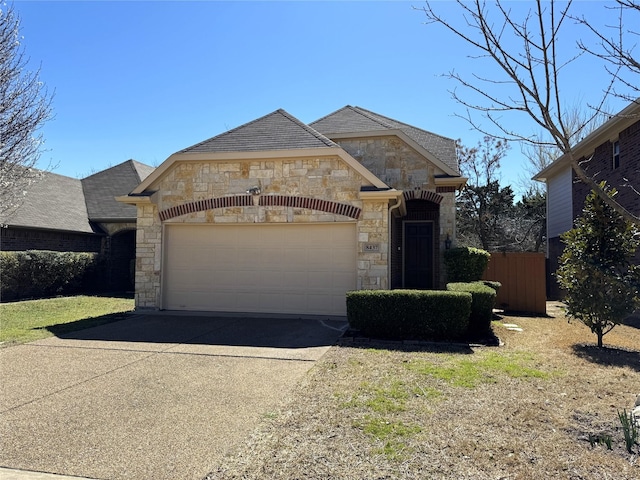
[(294, 278), (225, 256), (293, 268), (247, 278), (323, 302), (270, 256), (320, 281)]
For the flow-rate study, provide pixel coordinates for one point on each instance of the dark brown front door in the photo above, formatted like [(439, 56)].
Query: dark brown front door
[(418, 255)]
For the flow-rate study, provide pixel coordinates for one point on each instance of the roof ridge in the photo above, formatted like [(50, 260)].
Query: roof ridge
[(132, 167), (327, 141), (331, 114), (136, 167), (282, 113), (372, 116), (401, 123)]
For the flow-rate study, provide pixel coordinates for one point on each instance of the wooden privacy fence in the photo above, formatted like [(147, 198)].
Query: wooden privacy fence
[(523, 277)]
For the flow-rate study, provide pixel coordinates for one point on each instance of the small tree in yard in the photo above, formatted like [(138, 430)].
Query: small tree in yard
[(596, 269)]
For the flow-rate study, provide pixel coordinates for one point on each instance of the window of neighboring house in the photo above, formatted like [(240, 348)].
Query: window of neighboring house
[(616, 154)]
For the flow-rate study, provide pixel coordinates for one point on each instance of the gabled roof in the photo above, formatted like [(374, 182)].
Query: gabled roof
[(53, 202), (351, 120), (101, 188), (276, 131), (276, 135), (608, 131)]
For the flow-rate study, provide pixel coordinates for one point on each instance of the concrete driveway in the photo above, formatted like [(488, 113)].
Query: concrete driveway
[(159, 396)]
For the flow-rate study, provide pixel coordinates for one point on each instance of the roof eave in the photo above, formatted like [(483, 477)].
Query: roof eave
[(134, 199), (114, 219), (49, 229), (455, 181), (608, 131)]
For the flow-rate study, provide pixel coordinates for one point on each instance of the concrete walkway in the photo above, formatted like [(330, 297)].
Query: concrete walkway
[(152, 396)]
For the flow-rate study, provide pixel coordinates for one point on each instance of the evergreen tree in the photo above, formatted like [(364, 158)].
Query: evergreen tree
[(596, 270)]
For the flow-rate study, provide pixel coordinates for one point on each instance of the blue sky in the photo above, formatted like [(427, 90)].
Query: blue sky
[(144, 79)]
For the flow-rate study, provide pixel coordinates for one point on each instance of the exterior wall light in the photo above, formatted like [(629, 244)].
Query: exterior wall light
[(447, 242)]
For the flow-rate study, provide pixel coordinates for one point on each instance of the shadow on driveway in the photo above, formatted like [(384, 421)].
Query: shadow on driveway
[(167, 328)]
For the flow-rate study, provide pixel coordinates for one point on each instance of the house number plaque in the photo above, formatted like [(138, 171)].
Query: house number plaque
[(371, 247)]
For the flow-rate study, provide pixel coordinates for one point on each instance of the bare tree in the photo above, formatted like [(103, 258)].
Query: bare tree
[(616, 50), (24, 106), (527, 79), (540, 155)]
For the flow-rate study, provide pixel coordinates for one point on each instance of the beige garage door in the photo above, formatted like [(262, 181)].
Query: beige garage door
[(259, 268)]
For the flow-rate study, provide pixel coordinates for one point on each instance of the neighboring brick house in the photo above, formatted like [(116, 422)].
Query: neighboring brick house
[(277, 216), (613, 154), (67, 214)]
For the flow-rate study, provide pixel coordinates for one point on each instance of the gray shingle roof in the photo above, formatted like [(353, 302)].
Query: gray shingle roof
[(355, 119), (101, 188), (57, 202), (53, 202), (276, 131)]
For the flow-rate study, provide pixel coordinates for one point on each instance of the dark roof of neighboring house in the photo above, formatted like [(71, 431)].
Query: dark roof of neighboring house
[(276, 131), (101, 188), (57, 202), (53, 202), (355, 119)]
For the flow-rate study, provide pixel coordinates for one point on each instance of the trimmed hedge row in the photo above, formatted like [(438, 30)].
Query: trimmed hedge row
[(465, 264), (409, 314), (43, 273), (483, 296)]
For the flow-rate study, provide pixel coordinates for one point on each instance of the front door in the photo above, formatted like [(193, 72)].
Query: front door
[(418, 255)]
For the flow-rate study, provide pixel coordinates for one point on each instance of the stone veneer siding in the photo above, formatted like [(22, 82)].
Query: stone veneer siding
[(402, 168), (148, 257), (373, 227), (392, 160), (326, 178)]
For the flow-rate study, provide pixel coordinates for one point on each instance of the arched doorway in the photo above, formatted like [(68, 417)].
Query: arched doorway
[(416, 246)]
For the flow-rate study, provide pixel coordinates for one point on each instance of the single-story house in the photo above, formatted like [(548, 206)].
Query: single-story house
[(61, 213), (610, 153), (277, 216)]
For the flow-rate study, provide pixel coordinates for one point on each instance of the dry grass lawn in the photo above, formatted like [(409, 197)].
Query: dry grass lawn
[(525, 410)]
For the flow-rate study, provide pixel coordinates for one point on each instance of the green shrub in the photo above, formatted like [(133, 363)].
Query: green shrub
[(409, 314), (482, 303), (465, 264), (42, 273), (493, 284)]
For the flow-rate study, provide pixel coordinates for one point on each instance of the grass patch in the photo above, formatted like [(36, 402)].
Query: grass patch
[(380, 399), (471, 372), (390, 434), (22, 322), (383, 430)]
